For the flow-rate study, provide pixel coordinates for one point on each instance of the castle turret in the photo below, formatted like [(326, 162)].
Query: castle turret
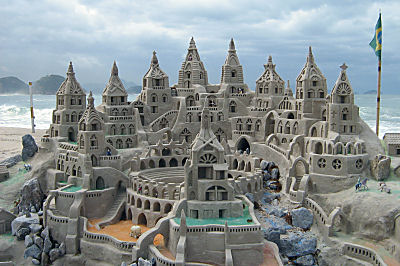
[(311, 88), (269, 83), (342, 113), (70, 106), (114, 93), (192, 71), (207, 188), (91, 140), (156, 93), (232, 70)]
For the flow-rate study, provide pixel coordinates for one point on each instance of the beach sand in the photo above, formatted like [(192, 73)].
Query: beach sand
[(11, 140)]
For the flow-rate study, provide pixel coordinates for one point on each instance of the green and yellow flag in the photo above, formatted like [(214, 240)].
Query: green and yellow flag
[(376, 42)]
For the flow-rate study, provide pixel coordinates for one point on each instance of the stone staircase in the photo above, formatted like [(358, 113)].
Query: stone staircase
[(115, 211)]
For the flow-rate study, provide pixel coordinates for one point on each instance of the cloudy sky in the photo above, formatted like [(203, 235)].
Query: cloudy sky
[(40, 37)]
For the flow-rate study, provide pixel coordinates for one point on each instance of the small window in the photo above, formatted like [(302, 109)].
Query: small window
[(233, 73), (112, 99), (398, 151), (154, 109), (321, 94), (122, 99), (342, 99), (314, 83)]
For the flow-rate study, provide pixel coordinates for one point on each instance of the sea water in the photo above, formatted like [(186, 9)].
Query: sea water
[(15, 110)]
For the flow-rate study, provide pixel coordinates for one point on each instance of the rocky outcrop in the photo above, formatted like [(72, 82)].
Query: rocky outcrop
[(10, 162), (23, 222), (29, 147), (31, 196), (302, 218), (380, 167)]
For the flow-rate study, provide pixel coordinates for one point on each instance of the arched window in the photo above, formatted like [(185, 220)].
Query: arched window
[(189, 117), (154, 98), (93, 141), (345, 114), (220, 116), (248, 124), (112, 130), (232, 107), (129, 143), (131, 129), (233, 73), (164, 98), (239, 124), (122, 129), (258, 125)]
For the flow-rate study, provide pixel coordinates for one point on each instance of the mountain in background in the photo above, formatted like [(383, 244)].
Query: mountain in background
[(47, 85), (370, 92), (13, 85)]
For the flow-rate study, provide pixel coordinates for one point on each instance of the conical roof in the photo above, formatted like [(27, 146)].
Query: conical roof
[(342, 85), (114, 86), (90, 112), (270, 73), (310, 69), (206, 136), (70, 85)]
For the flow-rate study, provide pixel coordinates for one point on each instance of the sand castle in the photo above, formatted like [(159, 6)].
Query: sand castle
[(179, 159)]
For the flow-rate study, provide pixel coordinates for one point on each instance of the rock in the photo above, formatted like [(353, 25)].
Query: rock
[(302, 218), (56, 245), (38, 241), (35, 228), (45, 259), (307, 260), (143, 262), (31, 195), (10, 162), (23, 221), (275, 173), (47, 245), (33, 251), (272, 235), (380, 167), (296, 244), (35, 262), (22, 232), (54, 254), (29, 147), (45, 233), (28, 241), (123, 263), (62, 249), (40, 213), (267, 198), (277, 224), (264, 165), (33, 209), (275, 211)]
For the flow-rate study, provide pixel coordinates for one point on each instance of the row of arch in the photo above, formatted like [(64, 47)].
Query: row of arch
[(241, 166), (122, 130), (289, 128), (189, 117), (73, 171), (336, 148), (156, 206), (162, 162), (248, 126), (120, 144)]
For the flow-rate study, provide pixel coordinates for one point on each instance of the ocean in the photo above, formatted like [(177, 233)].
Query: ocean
[(15, 111)]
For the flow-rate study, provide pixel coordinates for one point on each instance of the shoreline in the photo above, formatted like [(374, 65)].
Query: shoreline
[(11, 140)]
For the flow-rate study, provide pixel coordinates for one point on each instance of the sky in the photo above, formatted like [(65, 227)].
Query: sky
[(38, 38)]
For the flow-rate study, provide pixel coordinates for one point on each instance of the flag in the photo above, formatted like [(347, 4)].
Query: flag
[(376, 42)]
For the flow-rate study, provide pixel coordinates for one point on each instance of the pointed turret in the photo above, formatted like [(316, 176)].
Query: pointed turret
[(70, 86), (192, 71), (155, 77), (311, 83), (269, 83), (343, 114), (288, 90), (114, 93), (232, 70), (206, 136), (342, 91)]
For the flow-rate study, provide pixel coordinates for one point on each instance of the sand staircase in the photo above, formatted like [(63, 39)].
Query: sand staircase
[(114, 213)]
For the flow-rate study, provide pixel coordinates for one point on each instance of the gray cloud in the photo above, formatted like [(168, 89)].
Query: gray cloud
[(41, 37)]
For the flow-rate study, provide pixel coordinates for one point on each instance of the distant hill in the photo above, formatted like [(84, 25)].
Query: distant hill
[(48, 85), (370, 92), (13, 85)]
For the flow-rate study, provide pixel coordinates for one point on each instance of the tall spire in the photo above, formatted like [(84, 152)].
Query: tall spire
[(310, 57), (114, 70), (269, 64), (70, 70), (288, 90), (192, 44), (232, 45), (154, 59)]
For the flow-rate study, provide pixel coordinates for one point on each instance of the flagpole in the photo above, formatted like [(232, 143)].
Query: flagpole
[(378, 98), (32, 115)]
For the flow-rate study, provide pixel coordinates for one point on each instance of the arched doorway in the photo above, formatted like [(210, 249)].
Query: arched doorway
[(173, 163), (161, 163), (130, 214), (142, 219), (100, 183), (71, 134), (94, 160), (318, 148), (121, 188), (243, 145)]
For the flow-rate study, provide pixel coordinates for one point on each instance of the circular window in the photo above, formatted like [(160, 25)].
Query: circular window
[(337, 164), (322, 163), (359, 164)]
